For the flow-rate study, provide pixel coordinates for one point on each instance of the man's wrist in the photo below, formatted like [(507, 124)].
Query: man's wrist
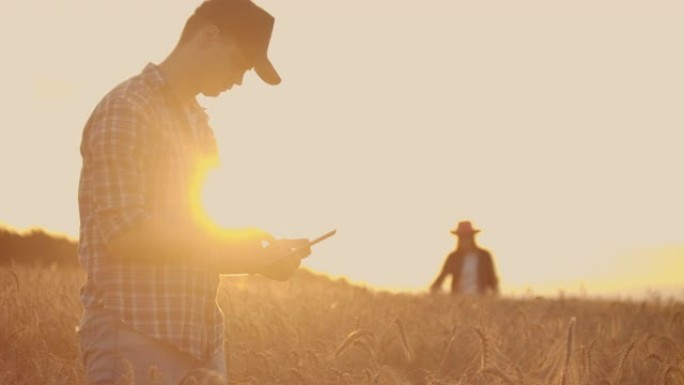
[(235, 258)]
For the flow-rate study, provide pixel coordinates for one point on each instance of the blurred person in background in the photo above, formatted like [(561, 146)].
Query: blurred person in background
[(152, 263), (471, 267)]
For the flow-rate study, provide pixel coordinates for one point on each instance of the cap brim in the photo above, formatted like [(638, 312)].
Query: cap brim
[(267, 72)]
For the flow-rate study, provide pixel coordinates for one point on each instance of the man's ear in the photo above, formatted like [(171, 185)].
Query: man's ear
[(208, 35)]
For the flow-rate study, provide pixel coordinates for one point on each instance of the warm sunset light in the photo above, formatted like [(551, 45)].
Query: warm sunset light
[(554, 128), (342, 192)]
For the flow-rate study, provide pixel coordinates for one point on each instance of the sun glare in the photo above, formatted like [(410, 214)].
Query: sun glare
[(197, 191), (206, 211)]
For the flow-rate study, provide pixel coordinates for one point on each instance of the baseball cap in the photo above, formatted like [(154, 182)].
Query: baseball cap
[(250, 25)]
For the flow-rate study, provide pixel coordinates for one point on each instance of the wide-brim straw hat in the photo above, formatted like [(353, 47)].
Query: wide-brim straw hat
[(465, 228)]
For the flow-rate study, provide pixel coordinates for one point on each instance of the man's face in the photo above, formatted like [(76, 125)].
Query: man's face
[(466, 240), (225, 66)]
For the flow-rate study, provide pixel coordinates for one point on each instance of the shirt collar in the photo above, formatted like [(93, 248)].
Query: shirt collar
[(154, 77)]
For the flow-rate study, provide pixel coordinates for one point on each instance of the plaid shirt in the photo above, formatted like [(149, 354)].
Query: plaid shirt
[(143, 157)]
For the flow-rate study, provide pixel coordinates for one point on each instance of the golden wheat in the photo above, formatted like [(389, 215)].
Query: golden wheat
[(299, 333)]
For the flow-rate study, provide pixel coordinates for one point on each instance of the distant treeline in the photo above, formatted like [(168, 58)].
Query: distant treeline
[(36, 247)]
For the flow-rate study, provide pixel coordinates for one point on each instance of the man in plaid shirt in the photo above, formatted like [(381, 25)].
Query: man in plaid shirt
[(152, 270)]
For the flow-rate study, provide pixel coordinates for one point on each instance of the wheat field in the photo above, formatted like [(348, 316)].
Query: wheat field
[(312, 330)]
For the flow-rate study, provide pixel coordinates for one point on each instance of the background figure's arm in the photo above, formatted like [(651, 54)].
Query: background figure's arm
[(437, 284), (491, 277)]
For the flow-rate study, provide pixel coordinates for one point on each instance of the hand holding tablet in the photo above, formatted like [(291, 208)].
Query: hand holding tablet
[(282, 268)]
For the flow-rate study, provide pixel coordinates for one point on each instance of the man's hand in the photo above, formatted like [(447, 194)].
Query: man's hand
[(287, 255)]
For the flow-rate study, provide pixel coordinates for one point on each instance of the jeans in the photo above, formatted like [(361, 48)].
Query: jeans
[(113, 353)]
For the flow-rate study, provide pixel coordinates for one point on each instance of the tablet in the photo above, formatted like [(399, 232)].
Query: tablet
[(322, 237), (316, 240)]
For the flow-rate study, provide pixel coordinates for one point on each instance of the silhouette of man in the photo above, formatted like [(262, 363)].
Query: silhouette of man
[(152, 266), (470, 266)]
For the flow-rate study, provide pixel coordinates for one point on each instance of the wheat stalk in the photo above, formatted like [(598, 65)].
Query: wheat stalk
[(364, 345), (484, 356), (658, 359), (352, 337), (586, 372), (669, 342), (671, 372), (447, 351), (620, 368), (16, 279), (294, 358), (408, 353), (568, 351), (675, 320)]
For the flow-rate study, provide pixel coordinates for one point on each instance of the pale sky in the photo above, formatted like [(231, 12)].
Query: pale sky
[(555, 126)]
